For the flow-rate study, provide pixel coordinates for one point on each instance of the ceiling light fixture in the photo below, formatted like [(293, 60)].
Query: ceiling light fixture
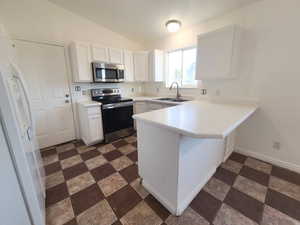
[(173, 25)]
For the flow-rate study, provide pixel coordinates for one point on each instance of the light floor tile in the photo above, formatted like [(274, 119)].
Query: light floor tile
[(99, 214), (258, 165), (138, 187), (233, 166), (217, 188), (189, 216), (141, 214), (230, 216), (54, 179), (95, 162), (72, 161), (60, 213), (112, 183), (251, 188), (285, 187), (80, 182), (121, 163)]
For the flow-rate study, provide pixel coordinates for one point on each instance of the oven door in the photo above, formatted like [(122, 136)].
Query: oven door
[(102, 74), (117, 116)]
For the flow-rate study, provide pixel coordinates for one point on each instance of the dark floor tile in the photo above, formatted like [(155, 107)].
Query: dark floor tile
[(133, 156), (112, 155), (67, 154), (78, 143), (71, 222), (285, 174), (157, 207), (90, 154), (101, 172), (283, 203), (86, 198), (56, 194), (134, 144), (238, 157), (245, 204), (46, 153), (255, 175), (123, 200), (52, 168), (225, 175), (206, 205), (117, 223), (130, 173), (75, 171), (119, 143)]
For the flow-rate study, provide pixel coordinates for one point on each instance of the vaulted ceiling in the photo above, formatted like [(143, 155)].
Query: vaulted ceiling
[(144, 20)]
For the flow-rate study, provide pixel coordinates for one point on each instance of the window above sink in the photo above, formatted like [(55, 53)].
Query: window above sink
[(181, 67)]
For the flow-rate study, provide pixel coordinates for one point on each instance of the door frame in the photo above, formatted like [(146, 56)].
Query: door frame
[(69, 75)]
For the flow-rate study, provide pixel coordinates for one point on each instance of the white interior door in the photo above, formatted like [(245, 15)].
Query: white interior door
[(44, 69)]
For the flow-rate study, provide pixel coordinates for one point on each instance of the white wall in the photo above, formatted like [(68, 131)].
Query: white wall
[(43, 20), (269, 71)]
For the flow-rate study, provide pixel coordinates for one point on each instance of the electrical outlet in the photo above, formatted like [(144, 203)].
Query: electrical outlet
[(276, 145), (203, 91)]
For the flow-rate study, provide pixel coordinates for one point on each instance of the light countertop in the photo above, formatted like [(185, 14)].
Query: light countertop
[(200, 119)]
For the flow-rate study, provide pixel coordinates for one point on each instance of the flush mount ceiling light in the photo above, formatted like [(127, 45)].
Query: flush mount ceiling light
[(173, 25)]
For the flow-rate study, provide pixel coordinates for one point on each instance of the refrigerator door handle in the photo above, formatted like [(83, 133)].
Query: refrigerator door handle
[(20, 79)]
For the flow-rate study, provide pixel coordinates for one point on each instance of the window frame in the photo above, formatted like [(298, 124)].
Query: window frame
[(167, 84)]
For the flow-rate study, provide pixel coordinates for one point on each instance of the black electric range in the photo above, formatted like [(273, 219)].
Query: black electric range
[(117, 112)]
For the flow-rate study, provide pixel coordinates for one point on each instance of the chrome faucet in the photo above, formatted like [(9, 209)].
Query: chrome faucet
[(178, 95)]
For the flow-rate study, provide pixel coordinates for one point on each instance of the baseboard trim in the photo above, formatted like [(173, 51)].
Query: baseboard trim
[(274, 161)]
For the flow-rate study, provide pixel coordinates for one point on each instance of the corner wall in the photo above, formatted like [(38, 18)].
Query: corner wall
[(269, 72)]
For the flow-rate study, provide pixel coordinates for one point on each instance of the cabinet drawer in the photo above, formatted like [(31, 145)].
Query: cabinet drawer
[(94, 110)]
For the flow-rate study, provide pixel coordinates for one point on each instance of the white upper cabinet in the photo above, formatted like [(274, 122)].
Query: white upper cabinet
[(128, 64), (81, 62), (100, 53), (156, 65), (140, 61), (116, 55), (217, 54)]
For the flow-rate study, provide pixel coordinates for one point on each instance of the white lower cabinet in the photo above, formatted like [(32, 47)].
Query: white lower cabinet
[(90, 120)]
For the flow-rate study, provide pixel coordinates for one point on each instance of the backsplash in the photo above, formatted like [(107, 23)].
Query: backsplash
[(127, 89)]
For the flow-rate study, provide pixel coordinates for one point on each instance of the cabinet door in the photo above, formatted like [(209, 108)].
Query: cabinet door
[(216, 51), (128, 63), (140, 61), (81, 62), (116, 55), (96, 130), (100, 53), (156, 66)]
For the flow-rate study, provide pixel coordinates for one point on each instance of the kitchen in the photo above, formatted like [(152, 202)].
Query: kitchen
[(190, 121)]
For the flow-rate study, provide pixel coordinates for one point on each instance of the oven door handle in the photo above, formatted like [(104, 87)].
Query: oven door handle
[(117, 105)]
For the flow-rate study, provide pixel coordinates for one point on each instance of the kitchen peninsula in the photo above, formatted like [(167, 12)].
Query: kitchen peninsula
[(180, 147)]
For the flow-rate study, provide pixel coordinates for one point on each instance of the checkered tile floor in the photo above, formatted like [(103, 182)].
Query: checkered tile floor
[(99, 185)]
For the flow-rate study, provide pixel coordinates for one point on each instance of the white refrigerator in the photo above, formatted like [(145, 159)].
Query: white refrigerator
[(22, 189)]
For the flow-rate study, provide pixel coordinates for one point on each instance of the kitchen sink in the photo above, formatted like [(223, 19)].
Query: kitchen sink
[(172, 99)]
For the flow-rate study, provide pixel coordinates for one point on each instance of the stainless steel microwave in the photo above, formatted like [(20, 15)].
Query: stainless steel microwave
[(108, 72)]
